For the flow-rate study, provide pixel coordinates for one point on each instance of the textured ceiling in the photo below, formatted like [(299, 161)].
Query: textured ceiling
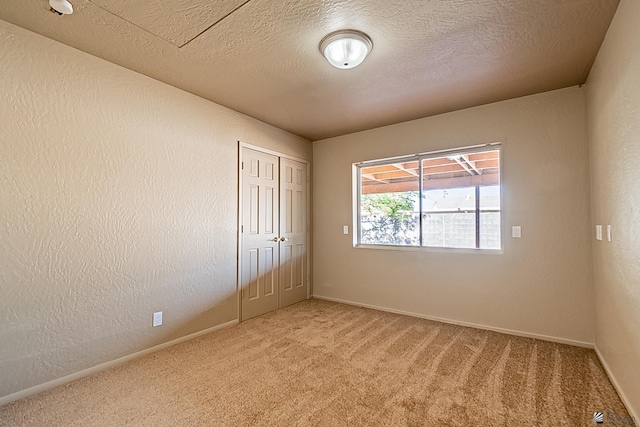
[(177, 22), (261, 57)]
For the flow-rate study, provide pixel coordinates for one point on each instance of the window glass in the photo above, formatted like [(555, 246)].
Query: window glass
[(490, 236), (449, 218), (389, 207), (447, 200)]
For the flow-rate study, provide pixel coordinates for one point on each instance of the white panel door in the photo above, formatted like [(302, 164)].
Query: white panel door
[(273, 254), (293, 232), (259, 257)]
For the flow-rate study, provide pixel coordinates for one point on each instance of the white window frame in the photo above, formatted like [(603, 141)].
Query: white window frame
[(357, 193)]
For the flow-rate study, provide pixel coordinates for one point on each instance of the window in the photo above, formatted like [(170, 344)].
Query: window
[(445, 199)]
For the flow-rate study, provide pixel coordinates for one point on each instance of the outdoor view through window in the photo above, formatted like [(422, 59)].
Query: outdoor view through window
[(446, 200)]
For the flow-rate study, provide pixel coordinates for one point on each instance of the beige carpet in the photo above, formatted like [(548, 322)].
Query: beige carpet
[(327, 364)]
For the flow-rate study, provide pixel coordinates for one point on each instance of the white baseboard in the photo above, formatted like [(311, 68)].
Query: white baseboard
[(83, 373), (460, 323), (623, 397)]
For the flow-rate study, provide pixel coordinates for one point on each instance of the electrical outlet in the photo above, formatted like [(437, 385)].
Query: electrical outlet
[(157, 318), (516, 231)]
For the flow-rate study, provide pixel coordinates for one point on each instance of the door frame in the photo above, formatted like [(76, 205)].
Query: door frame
[(242, 145)]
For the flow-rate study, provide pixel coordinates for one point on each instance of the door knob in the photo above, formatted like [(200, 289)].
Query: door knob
[(284, 239), (275, 239)]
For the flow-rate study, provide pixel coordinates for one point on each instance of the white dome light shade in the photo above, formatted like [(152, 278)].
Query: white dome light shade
[(346, 49), (62, 7)]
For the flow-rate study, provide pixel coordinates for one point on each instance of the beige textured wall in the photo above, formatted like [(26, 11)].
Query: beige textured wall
[(541, 284), (613, 101), (118, 197)]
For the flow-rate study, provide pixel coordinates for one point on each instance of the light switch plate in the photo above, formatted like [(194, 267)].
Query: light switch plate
[(157, 319), (609, 232), (345, 229), (516, 231), (598, 232)]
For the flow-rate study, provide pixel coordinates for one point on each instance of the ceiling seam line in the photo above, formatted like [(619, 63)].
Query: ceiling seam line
[(213, 25), (133, 23)]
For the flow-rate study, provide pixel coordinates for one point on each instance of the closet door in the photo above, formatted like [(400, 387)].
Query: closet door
[(259, 256), (293, 232), (273, 246)]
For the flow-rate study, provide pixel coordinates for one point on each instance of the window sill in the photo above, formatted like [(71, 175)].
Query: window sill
[(433, 249)]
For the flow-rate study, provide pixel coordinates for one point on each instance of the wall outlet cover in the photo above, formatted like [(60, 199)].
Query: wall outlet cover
[(157, 319), (516, 231)]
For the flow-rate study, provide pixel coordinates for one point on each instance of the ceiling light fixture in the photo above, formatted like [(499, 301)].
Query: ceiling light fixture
[(61, 7), (346, 49)]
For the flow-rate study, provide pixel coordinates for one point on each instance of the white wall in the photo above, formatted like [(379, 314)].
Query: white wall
[(540, 285), (613, 101), (118, 198)]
